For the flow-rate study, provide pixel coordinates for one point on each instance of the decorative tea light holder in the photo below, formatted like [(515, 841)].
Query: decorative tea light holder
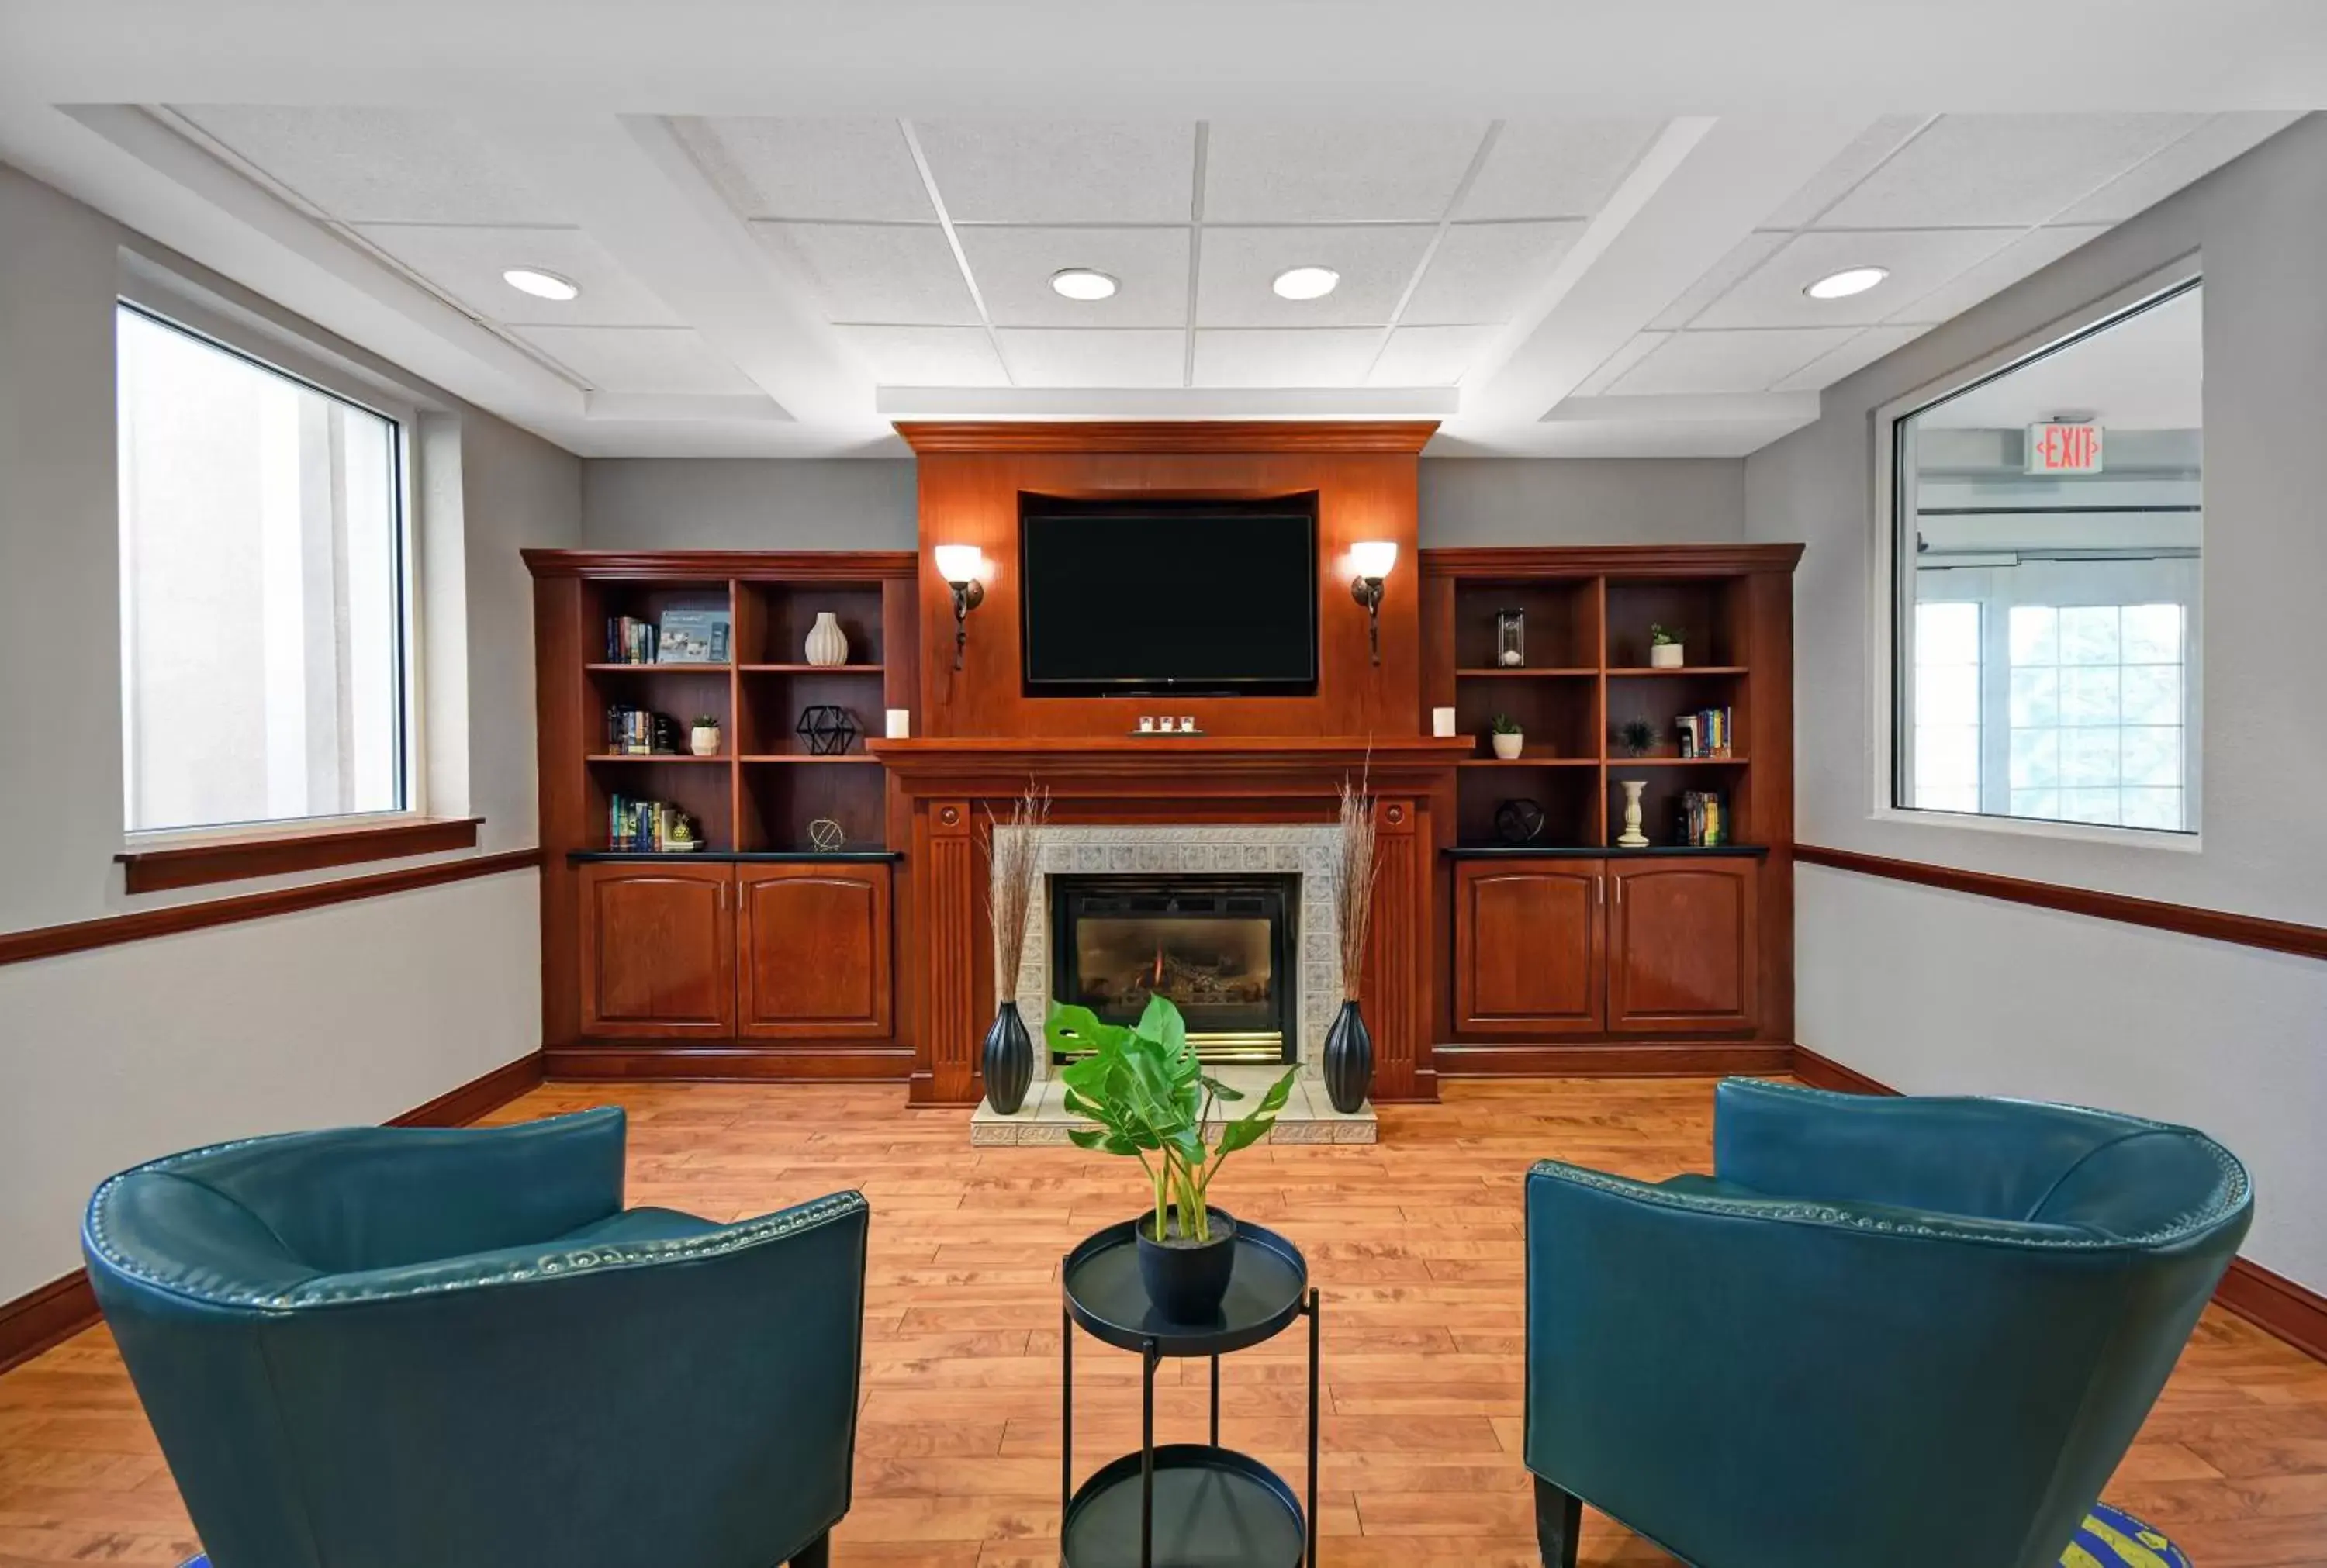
[(1511, 639)]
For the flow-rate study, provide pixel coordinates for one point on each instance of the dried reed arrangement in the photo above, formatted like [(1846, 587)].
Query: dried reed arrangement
[(1353, 880), (1015, 860)]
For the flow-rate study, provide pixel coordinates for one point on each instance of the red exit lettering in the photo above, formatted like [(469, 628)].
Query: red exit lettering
[(2057, 448)]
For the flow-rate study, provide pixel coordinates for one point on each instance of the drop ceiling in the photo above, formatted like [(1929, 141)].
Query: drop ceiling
[(782, 269)]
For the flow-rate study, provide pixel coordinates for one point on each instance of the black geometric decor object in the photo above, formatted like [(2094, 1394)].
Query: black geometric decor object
[(828, 731), (1519, 821)]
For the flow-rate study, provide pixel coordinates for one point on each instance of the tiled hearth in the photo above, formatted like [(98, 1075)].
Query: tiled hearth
[(1304, 850)]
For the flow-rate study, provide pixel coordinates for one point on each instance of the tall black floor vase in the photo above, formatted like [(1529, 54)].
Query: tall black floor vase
[(1009, 1060), (1349, 1059)]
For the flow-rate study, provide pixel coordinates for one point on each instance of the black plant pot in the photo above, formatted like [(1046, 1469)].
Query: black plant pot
[(1009, 1060), (1187, 1280), (1348, 1065)]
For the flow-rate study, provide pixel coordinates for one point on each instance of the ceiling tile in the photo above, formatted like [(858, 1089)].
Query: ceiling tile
[(1848, 359), (1013, 267), (838, 169), (1430, 355), (927, 356), (1725, 275), (1636, 348), (1557, 168), (1237, 265), (1712, 362), (1336, 171), (2202, 151), (1861, 158), (378, 166), (1062, 171), (1919, 261), (1327, 356), (1059, 357), (2031, 253), (892, 273), (639, 359), (467, 263), (1970, 170), (1483, 271)]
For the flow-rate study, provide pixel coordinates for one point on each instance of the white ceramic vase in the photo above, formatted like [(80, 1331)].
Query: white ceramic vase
[(828, 644), (1632, 837), (1508, 747), (1665, 656)]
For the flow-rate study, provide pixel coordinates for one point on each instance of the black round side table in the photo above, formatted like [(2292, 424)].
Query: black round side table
[(1182, 1503)]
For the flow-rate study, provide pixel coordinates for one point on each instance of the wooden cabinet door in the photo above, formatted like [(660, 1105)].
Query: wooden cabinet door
[(815, 950), (1681, 950), (1527, 946), (658, 951)]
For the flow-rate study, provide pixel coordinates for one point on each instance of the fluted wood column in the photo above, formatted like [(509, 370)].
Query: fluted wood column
[(945, 845), (1397, 994)]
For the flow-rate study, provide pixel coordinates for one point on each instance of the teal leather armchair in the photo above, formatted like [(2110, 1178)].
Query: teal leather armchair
[(1913, 1332), (386, 1348)]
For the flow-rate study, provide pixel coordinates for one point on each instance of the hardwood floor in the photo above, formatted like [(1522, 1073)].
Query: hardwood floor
[(1416, 1243)]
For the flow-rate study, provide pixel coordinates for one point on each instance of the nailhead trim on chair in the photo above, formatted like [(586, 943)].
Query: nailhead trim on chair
[(2233, 1195), (550, 1263)]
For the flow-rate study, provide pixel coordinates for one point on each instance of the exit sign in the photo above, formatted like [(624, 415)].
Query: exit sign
[(2064, 449)]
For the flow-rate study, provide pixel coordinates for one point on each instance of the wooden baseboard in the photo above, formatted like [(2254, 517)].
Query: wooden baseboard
[(834, 1063), (43, 1319), (2271, 1302), (1608, 1059)]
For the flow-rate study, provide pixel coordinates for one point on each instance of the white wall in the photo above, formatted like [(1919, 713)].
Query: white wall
[(349, 1013), (1933, 991), (869, 504)]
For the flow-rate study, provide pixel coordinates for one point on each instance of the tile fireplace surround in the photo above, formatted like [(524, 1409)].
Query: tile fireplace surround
[(1301, 849)]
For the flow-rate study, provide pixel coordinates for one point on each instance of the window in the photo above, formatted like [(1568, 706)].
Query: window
[(2048, 520), (263, 620)]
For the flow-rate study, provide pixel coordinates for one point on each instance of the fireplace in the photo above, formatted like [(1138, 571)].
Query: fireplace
[(1220, 948)]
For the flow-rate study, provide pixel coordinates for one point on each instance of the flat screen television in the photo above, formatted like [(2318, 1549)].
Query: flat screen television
[(1190, 598)]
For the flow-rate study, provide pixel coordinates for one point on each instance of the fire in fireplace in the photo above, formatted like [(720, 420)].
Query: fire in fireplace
[(1220, 948)]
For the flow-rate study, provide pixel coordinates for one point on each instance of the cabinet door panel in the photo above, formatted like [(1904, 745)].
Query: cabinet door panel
[(658, 951), (815, 952), (1527, 947), (1682, 955)]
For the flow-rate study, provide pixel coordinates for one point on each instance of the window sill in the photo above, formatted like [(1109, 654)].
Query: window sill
[(2046, 827), (279, 851)]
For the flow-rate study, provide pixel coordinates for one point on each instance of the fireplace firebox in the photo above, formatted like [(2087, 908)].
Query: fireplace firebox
[(1220, 948)]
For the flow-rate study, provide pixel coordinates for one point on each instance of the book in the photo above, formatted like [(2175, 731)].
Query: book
[(629, 641), (640, 733), (1703, 819), (692, 637), (1704, 733)]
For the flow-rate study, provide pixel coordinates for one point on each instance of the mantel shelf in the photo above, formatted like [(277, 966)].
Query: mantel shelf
[(1525, 761)]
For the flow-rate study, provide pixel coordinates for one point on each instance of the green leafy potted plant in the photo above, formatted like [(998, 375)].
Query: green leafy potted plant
[(1508, 737), (1151, 1100), (1664, 646)]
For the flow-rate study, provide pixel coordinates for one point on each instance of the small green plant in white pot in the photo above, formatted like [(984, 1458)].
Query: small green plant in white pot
[(1507, 739), (1152, 1101), (1665, 648)]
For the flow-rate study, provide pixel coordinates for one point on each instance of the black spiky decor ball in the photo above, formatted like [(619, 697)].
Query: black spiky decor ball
[(827, 730)]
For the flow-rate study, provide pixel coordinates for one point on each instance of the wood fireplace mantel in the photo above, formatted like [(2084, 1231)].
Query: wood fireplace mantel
[(952, 787)]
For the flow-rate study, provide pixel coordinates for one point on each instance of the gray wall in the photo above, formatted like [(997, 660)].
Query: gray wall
[(776, 504), (1932, 992), (351, 1014)]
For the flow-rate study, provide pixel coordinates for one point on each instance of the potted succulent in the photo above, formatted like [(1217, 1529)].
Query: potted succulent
[(1664, 648), (1637, 736), (702, 740), (1508, 737), (1152, 1100)]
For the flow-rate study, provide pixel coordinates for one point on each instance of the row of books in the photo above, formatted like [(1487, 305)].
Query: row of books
[(682, 637), (654, 827), (1704, 733), (640, 733), (1704, 818)]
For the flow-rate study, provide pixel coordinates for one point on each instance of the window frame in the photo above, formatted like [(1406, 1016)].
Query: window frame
[(148, 856), (1890, 649)]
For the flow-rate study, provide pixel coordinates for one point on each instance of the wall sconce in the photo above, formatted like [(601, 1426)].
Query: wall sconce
[(1373, 559), (963, 567)]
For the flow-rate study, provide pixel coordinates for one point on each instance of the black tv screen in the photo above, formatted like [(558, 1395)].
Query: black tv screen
[(1184, 597)]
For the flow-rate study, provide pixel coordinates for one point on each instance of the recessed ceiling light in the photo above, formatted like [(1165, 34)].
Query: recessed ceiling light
[(1305, 282), (1849, 281), (545, 285), (1082, 283)]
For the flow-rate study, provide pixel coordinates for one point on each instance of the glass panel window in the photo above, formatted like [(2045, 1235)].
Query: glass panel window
[(262, 591), (2050, 522)]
